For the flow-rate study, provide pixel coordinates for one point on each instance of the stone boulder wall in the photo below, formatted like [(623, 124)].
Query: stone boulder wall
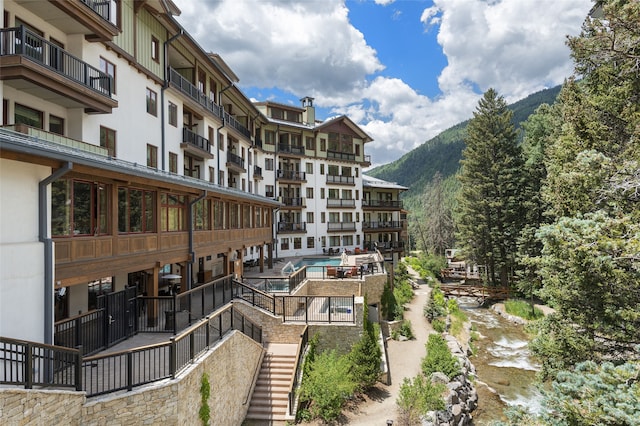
[(462, 397)]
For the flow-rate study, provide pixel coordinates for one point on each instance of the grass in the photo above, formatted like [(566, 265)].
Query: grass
[(522, 309)]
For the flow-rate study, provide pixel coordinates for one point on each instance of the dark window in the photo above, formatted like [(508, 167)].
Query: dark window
[(201, 216), (173, 162), (155, 49), (173, 212), (108, 140), (152, 156), (56, 125), (79, 208), (109, 69), (136, 210), (29, 116), (152, 102), (173, 114)]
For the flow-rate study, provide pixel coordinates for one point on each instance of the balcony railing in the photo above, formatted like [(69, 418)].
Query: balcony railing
[(341, 155), (21, 41), (57, 139), (339, 202), (235, 159), (291, 175), (257, 171), (102, 8), (341, 179), (381, 225), (290, 149), (292, 201), (232, 122), (192, 92), (292, 226), (384, 246), (341, 226), (394, 204), (195, 139)]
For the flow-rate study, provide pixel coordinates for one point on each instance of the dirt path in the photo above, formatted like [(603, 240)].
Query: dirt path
[(404, 361)]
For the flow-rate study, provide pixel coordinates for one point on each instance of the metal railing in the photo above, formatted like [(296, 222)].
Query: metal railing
[(192, 138), (341, 202), (232, 122), (341, 155), (187, 88), (292, 201), (341, 179), (257, 171), (235, 159), (341, 226), (290, 149), (21, 41), (381, 225), (85, 331), (101, 7), (292, 226), (395, 204), (297, 374), (291, 175)]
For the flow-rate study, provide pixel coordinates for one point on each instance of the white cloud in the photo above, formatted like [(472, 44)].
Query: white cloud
[(311, 48)]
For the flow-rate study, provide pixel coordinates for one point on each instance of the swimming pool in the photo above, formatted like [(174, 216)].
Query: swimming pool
[(310, 262)]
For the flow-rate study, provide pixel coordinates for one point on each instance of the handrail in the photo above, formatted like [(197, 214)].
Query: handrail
[(304, 339)]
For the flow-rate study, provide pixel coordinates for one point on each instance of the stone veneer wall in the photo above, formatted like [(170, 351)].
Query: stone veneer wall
[(231, 366), (340, 336), (371, 287)]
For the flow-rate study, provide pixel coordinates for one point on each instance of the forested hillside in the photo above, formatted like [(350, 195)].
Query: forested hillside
[(443, 152)]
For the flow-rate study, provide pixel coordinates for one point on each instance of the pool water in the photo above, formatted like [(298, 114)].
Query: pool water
[(310, 262)]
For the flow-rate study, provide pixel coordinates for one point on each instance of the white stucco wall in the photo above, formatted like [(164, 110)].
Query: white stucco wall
[(21, 254)]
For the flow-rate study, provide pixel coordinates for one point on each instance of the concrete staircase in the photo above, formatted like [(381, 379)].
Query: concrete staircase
[(270, 398)]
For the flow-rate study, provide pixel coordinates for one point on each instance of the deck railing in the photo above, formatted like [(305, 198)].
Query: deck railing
[(21, 41), (297, 374)]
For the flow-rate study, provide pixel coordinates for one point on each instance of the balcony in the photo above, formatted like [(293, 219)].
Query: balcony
[(195, 143), (341, 202), (257, 172), (291, 175), (367, 160), (382, 204), (32, 64), (343, 180), (57, 139), (381, 226), (341, 226), (386, 246), (292, 227), (292, 201), (235, 162), (230, 121), (284, 148), (89, 17), (336, 155), (186, 88)]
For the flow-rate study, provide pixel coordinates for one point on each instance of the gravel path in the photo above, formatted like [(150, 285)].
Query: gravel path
[(404, 361)]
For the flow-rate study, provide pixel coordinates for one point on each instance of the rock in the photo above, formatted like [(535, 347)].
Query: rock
[(438, 377), (454, 386)]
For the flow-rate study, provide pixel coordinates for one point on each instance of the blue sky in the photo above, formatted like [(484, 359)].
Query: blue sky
[(404, 70)]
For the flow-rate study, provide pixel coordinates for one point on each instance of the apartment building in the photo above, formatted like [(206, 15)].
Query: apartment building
[(384, 219), (314, 168), (125, 157)]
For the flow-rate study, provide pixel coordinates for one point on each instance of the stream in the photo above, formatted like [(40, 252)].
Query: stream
[(503, 363)]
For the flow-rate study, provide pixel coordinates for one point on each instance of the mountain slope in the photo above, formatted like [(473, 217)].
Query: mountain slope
[(442, 153)]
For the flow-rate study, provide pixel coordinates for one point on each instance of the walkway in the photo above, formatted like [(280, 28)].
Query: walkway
[(404, 360)]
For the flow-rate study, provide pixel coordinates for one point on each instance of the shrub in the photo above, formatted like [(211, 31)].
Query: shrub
[(436, 306), (328, 385), (439, 325), (388, 303), (403, 292), (406, 330), (418, 396), (365, 357), (439, 358), (523, 309)]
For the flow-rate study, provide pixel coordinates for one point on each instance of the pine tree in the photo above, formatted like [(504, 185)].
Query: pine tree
[(489, 216), (438, 219)]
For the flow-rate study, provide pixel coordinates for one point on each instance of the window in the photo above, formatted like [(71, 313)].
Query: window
[(334, 194), (234, 216), (310, 143), (322, 193), (347, 240), (258, 217), (212, 90), (201, 216), (334, 241), (334, 217), (173, 212), (173, 114), (190, 167), (246, 216), (323, 241), (311, 242), (109, 69), (29, 116), (221, 141), (321, 169), (268, 163), (218, 215), (212, 174), (79, 208), (269, 137), (269, 192), (220, 177), (309, 217), (309, 168), (136, 210), (108, 140), (155, 49), (56, 124), (297, 243), (284, 244), (152, 102), (322, 217), (173, 162), (323, 144), (152, 156), (310, 193)]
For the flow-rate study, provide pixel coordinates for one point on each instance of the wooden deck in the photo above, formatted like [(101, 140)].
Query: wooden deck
[(480, 293)]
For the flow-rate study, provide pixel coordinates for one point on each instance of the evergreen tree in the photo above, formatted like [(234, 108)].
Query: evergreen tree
[(590, 261), (438, 220), (489, 214), (365, 357)]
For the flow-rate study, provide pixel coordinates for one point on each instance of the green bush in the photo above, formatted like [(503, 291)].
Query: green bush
[(388, 303), (439, 325), (365, 357), (403, 291), (406, 330), (522, 309), (328, 384), (417, 397), (439, 358), (436, 306)]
